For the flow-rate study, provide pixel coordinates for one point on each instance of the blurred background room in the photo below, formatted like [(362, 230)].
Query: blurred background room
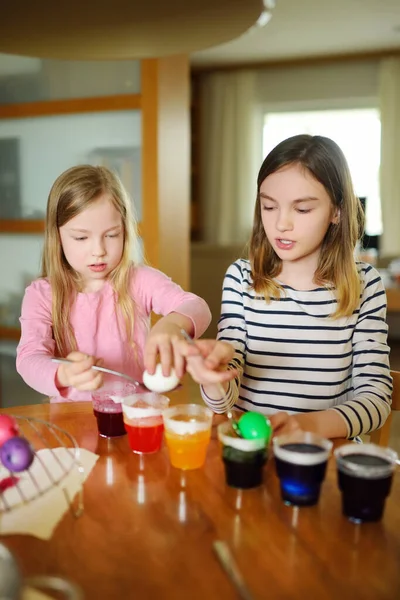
[(187, 135)]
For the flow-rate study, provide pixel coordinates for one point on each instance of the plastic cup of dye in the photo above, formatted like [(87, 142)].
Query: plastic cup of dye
[(243, 459), (187, 430), (300, 461), (107, 410), (142, 413), (365, 473)]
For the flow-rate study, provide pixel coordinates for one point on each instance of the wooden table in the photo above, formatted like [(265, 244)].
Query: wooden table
[(147, 531)]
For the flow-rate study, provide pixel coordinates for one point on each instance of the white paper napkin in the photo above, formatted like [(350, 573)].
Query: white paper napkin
[(40, 514)]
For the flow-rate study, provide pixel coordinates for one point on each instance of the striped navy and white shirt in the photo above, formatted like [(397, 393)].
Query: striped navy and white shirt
[(292, 356)]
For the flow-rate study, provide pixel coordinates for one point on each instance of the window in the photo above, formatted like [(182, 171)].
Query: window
[(356, 131)]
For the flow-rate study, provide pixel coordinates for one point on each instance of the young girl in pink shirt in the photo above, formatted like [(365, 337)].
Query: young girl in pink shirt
[(92, 303)]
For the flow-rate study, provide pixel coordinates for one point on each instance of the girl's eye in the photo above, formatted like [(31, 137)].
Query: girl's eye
[(269, 208), (80, 239), (113, 235), (304, 211)]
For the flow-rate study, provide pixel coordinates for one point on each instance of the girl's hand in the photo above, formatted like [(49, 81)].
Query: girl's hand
[(161, 343), (283, 423), (207, 360), (327, 423), (79, 374)]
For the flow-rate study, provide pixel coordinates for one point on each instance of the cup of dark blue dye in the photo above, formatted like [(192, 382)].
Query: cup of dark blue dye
[(365, 473), (300, 462)]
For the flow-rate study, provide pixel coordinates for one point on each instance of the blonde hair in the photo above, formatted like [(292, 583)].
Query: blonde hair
[(325, 161), (73, 191)]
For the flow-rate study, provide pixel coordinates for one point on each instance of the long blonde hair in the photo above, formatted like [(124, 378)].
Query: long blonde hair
[(72, 192), (325, 161)]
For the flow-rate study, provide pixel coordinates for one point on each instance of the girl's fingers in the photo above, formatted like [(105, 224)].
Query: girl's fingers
[(220, 355), (278, 420), (283, 423), (184, 349), (204, 347), (82, 366), (200, 373), (83, 377), (93, 384), (166, 354), (150, 355), (179, 360)]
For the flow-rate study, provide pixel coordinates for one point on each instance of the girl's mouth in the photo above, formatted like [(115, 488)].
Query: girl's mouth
[(284, 244), (98, 268)]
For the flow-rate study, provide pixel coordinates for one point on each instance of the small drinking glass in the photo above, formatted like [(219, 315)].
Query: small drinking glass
[(187, 434), (365, 473), (243, 459), (300, 461), (107, 407), (142, 413)]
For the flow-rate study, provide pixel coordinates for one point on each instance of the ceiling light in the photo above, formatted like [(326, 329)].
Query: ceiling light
[(266, 14)]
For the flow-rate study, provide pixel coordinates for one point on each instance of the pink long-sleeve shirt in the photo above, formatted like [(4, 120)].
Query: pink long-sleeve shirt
[(98, 330)]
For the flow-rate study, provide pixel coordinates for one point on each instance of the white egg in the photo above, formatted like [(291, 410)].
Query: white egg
[(158, 382)]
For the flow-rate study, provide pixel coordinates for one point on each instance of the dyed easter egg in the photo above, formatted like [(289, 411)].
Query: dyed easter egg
[(17, 454), (253, 425)]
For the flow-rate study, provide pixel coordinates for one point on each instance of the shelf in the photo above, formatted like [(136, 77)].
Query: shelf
[(18, 226), (9, 333)]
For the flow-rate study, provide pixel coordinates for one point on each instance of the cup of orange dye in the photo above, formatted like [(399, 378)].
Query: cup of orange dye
[(187, 431)]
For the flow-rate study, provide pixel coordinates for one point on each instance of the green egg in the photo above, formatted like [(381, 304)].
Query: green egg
[(254, 426)]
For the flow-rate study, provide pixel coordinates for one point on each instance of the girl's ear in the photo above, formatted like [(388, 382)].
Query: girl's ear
[(336, 216)]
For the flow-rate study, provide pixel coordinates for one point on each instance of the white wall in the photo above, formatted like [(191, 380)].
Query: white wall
[(49, 145)]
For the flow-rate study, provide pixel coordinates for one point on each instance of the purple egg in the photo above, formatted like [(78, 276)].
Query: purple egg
[(17, 454)]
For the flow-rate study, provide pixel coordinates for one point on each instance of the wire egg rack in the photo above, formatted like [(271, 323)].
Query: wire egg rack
[(56, 456)]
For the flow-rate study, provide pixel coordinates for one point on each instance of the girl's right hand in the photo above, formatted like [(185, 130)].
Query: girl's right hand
[(207, 360), (79, 373)]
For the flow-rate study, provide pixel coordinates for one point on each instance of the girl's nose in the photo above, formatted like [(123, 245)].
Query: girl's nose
[(98, 248), (284, 222)]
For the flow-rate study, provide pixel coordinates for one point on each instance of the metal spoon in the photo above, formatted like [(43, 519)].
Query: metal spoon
[(111, 372), (221, 389), (228, 563), (102, 369)]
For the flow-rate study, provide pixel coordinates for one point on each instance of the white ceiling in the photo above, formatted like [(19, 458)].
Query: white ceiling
[(307, 28)]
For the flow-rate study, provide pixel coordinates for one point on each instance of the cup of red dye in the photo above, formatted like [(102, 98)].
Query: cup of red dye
[(142, 414)]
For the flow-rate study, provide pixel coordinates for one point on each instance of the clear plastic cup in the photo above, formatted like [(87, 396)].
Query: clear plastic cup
[(142, 414), (107, 407), (187, 434), (365, 473), (243, 459), (300, 461)]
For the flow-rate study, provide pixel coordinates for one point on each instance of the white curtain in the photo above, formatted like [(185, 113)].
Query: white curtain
[(389, 90), (231, 152)]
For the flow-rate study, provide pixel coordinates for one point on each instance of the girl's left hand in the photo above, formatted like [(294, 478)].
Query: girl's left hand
[(283, 423)]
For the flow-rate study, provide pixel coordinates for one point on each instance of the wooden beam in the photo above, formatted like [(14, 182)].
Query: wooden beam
[(150, 224), (166, 165), (71, 106)]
